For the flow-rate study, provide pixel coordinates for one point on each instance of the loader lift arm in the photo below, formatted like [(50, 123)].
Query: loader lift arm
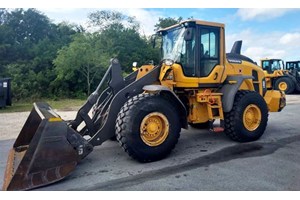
[(116, 82), (105, 121), (45, 135), (107, 105)]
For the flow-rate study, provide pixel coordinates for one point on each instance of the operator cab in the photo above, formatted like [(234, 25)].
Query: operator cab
[(193, 44), (294, 68), (271, 65), (293, 65)]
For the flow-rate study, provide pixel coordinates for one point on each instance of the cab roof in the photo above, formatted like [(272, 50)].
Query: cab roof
[(199, 22), (266, 59)]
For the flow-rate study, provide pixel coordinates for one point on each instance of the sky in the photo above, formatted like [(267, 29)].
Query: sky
[(266, 32)]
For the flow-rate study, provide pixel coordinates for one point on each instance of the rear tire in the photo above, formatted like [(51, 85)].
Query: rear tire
[(148, 127), (248, 117), (285, 84)]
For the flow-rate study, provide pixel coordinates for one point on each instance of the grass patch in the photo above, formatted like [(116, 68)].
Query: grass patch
[(63, 104)]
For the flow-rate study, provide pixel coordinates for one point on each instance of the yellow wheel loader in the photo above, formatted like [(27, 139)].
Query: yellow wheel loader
[(278, 78), (292, 65), (195, 83), (292, 68)]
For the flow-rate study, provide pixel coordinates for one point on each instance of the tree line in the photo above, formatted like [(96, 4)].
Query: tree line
[(64, 60)]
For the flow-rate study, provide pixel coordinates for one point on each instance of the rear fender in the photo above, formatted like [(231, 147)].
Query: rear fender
[(229, 90)]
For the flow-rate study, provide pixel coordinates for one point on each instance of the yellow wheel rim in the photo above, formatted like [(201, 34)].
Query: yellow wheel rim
[(282, 86), (252, 117), (154, 129)]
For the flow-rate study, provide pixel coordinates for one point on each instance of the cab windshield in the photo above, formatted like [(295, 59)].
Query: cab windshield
[(293, 65), (173, 44), (277, 65)]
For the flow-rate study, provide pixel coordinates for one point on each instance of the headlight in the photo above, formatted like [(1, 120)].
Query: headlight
[(169, 62)]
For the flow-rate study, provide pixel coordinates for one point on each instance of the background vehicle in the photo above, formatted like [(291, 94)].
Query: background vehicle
[(277, 77), (195, 83), (291, 65)]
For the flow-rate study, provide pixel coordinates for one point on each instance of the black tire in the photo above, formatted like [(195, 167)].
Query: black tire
[(129, 121), (204, 125), (289, 82), (234, 123), (113, 138)]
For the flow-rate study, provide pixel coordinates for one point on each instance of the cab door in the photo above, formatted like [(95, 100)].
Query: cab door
[(210, 57), (201, 64)]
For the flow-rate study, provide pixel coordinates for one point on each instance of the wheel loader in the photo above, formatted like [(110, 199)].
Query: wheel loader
[(195, 83), (292, 65), (293, 69), (278, 77)]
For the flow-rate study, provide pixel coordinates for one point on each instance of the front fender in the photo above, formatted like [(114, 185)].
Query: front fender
[(168, 94)]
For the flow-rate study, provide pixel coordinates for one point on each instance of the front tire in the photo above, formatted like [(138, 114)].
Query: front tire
[(148, 127), (248, 117)]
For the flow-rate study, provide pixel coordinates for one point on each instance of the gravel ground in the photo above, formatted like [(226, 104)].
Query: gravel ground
[(12, 123)]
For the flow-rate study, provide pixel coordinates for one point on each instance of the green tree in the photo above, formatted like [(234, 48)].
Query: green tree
[(81, 57), (120, 38), (26, 28), (166, 22), (105, 19), (28, 44)]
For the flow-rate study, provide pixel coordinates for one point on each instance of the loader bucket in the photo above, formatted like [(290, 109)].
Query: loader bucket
[(45, 151)]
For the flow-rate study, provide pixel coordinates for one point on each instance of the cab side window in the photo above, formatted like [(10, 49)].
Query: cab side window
[(209, 50), (275, 65), (265, 65)]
